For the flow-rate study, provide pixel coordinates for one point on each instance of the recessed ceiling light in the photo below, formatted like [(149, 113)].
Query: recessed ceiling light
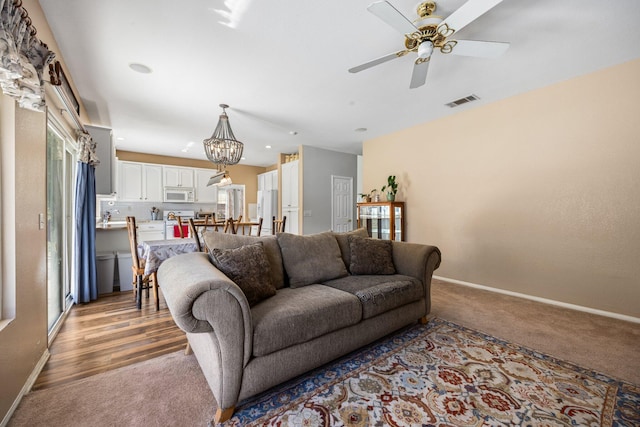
[(120, 138), (140, 68), (293, 132), (360, 130), (243, 158), (267, 146)]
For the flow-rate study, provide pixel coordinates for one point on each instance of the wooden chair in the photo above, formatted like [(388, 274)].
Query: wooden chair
[(249, 225), (277, 225), (197, 228), (231, 225), (137, 267), (180, 229)]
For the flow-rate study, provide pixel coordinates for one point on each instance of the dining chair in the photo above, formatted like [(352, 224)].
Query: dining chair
[(147, 280), (196, 234), (277, 225), (180, 229), (231, 225), (249, 225)]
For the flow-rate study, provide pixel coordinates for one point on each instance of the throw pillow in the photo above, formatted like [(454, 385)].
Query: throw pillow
[(248, 267), (311, 259), (371, 256), (343, 242), (215, 239)]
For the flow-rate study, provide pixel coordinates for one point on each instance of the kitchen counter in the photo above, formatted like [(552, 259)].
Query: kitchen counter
[(116, 225), (122, 225)]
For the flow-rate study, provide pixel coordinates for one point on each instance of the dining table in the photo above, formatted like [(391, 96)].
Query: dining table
[(154, 252)]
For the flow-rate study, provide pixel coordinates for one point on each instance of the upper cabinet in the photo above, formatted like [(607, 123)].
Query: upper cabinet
[(139, 182), (205, 194), (105, 172), (268, 180), (178, 177)]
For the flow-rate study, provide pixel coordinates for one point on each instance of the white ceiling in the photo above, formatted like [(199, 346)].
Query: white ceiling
[(283, 67)]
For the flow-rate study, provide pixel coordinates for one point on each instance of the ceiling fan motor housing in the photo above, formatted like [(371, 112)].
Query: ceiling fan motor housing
[(427, 25)]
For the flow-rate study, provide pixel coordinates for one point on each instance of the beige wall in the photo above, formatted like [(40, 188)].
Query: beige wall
[(536, 194), (23, 341)]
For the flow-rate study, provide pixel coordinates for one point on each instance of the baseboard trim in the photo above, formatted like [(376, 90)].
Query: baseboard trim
[(543, 300), (27, 386)]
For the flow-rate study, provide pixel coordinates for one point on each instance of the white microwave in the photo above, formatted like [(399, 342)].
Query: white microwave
[(179, 194)]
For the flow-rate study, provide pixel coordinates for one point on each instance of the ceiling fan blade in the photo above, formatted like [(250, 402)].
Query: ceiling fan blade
[(377, 61), (467, 13), (419, 75), (389, 14), (480, 49)]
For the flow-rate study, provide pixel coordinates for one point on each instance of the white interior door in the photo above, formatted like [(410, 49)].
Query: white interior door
[(341, 203)]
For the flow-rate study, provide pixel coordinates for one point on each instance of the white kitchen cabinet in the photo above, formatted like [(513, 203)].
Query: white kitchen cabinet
[(268, 181), (291, 226), (175, 176), (205, 194), (139, 182), (290, 185)]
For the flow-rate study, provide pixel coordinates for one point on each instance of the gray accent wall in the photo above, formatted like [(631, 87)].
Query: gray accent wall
[(317, 167)]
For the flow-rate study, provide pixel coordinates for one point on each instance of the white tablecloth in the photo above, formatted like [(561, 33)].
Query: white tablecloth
[(156, 251)]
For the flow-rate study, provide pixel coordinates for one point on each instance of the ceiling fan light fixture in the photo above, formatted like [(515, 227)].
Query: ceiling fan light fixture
[(425, 49), (223, 148)]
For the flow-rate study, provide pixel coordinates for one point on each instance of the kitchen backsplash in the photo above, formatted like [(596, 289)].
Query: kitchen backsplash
[(142, 210)]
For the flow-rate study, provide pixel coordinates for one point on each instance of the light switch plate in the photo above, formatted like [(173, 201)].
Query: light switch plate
[(41, 223)]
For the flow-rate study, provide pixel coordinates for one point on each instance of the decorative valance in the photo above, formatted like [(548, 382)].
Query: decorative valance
[(23, 57), (87, 149)]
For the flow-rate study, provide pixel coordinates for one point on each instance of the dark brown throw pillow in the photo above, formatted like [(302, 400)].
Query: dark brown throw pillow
[(249, 268), (371, 256)]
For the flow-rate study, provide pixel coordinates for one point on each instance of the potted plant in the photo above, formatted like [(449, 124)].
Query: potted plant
[(391, 188), (365, 197)]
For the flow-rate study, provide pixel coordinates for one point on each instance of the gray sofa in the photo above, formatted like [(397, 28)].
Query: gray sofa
[(325, 295)]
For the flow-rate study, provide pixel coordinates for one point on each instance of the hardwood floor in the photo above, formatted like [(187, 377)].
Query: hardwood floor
[(107, 334)]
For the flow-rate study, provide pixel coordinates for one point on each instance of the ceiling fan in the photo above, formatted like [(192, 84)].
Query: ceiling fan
[(429, 32)]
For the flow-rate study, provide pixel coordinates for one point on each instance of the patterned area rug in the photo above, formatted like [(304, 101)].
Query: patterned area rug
[(442, 374)]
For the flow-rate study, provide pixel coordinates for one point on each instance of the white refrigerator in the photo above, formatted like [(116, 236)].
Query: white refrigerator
[(267, 208)]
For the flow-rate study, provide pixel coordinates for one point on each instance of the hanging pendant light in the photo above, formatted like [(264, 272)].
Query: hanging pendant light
[(223, 148)]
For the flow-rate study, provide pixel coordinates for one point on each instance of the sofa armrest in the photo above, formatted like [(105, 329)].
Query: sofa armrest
[(202, 299), (419, 261)]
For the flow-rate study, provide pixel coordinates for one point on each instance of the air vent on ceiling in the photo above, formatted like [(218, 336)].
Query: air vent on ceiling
[(461, 101)]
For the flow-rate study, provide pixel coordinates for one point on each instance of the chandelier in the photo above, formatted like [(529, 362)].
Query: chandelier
[(223, 148)]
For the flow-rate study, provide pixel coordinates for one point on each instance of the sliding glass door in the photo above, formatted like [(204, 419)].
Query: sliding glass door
[(60, 186)]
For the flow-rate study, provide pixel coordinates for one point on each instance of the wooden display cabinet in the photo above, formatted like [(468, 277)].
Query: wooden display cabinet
[(383, 220)]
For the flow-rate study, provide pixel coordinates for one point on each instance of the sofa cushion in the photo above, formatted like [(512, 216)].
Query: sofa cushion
[(248, 267), (379, 294), (371, 256), (214, 239), (294, 316), (343, 242), (311, 259)]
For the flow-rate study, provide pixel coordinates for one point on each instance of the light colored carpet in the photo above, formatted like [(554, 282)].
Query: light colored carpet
[(171, 390), (166, 391), (607, 345)]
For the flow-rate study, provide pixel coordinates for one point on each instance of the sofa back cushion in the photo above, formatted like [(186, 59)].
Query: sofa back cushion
[(249, 268), (215, 239), (311, 259), (343, 242)]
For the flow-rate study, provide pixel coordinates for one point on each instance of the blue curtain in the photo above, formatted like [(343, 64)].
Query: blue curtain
[(86, 286)]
